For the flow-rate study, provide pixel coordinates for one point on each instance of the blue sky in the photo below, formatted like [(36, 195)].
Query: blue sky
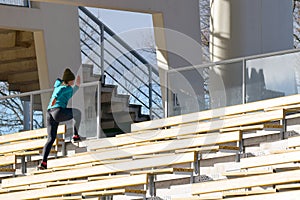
[(128, 25), (120, 21)]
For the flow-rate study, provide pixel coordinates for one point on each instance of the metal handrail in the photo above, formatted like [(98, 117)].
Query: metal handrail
[(40, 92), (127, 48), (234, 60), (111, 33)]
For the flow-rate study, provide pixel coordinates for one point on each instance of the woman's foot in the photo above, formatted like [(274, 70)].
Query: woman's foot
[(42, 166), (76, 138)]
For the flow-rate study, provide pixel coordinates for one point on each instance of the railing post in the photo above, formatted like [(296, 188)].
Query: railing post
[(166, 99), (99, 131), (244, 78), (31, 111), (150, 91), (27, 3), (26, 115), (102, 53)]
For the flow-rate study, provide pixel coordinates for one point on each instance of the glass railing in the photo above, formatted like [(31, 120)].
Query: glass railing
[(232, 82), (27, 111), (22, 3)]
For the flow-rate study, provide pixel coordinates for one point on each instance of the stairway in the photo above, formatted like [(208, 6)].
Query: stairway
[(117, 113), (18, 65)]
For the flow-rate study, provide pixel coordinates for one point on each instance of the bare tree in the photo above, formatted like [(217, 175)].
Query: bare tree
[(12, 112), (296, 23)]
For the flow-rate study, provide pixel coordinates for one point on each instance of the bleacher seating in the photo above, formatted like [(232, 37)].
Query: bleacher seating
[(25, 144), (174, 151)]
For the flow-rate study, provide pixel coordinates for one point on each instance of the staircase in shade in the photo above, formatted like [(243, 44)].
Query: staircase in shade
[(117, 113), (18, 65)]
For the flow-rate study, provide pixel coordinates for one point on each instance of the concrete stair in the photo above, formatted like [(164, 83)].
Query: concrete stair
[(18, 65), (117, 113)]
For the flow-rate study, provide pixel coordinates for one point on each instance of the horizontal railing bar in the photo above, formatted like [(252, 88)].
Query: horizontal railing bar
[(234, 60), (36, 92)]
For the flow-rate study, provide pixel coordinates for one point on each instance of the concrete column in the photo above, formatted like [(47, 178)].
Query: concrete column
[(242, 28), (61, 38)]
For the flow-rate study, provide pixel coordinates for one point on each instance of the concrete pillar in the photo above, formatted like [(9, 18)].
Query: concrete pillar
[(61, 39), (242, 28)]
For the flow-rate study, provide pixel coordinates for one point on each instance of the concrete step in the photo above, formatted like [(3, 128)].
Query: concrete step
[(18, 53), (117, 114), (7, 38), (107, 97), (88, 75), (116, 107)]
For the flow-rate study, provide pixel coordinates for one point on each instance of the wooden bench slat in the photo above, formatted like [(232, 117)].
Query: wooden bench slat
[(163, 171), (78, 188), (114, 192), (31, 134), (101, 169), (246, 182), (201, 127), (254, 127), (271, 159), (209, 114), (26, 145), (63, 198), (7, 160), (247, 173), (293, 195), (201, 140), (250, 192), (288, 186), (212, 125), (7, 170)]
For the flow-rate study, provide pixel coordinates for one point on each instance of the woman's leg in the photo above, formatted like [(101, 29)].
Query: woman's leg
[(52, 132), (65, 114)]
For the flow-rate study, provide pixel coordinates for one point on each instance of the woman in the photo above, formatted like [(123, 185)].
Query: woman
[(58, 112)]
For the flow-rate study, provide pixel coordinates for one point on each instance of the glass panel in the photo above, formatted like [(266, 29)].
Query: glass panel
[(194, 90), (272, 77), (85, 100), (186, 91), (225, 84)]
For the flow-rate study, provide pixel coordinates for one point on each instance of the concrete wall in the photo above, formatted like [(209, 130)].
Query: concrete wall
[(56, 32), (241, 28)]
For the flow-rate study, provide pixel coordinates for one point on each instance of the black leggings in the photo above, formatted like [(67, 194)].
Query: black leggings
[(54, 116)]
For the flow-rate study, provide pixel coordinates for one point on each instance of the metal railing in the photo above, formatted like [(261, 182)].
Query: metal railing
[(129, 70), (34, 99), (22, 3)]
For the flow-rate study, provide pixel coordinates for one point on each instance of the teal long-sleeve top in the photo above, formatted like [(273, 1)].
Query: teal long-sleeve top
[(62, 93)]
